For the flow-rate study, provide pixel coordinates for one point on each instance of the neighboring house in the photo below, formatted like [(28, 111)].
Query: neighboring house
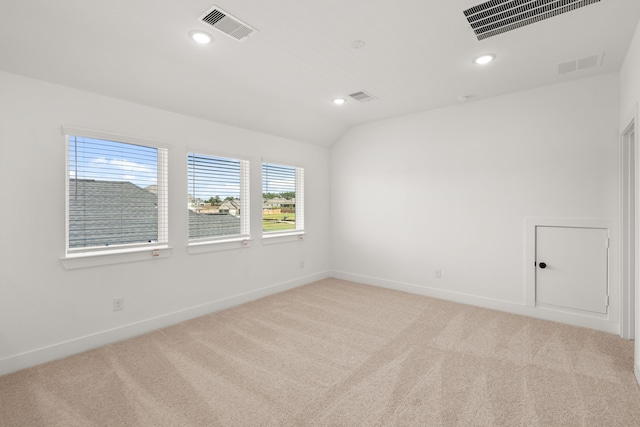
[(278, 205), (270, 208), (192, 203), (231, 207), (205, 208)]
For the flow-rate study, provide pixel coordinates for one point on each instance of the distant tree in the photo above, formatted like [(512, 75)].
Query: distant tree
[(229, 199), (215, 200), (285, 195)]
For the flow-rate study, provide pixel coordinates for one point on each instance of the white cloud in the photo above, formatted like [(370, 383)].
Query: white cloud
[(129, 166), (281, 185), (122, 170)]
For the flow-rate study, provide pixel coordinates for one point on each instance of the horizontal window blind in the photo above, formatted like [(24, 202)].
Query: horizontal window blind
[(282, 198), (299, 199), (116, 194), (218, 202)]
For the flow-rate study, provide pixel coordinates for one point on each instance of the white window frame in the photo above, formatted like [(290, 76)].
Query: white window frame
[(298, 233), (94, 256), (242, 240)]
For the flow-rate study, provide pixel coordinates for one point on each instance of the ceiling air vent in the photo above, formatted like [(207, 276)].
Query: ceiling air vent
[(580, 64), (362, 96), (226, 23), (499, 16)]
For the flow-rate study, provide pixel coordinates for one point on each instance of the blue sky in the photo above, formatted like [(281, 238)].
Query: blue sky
[(112, 161), (91, 158), (210, 176), (278, 178)]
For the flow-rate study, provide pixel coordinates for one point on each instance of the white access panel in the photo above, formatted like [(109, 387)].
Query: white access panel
[(572, 268)]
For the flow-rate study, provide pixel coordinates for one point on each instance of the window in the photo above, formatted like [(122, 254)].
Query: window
[(282, 198), (218, 199), (116, 194)]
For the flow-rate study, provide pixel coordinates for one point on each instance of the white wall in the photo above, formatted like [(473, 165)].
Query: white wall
[(629, 98), (47, 311), (450, 189)]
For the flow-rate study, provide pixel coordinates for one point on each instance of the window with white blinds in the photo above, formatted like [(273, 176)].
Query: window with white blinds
[(282, 198), (218, 198), (116, 195)]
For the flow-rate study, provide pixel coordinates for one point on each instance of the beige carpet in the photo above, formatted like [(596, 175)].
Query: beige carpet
[(342, 354)]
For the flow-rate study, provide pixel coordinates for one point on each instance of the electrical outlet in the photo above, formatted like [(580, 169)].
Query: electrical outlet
[(301, 264), (438, 274), (118, 304)]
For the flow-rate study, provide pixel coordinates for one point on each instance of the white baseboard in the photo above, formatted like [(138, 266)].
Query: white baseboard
[(636, 370), (570, 318), (78, 345)]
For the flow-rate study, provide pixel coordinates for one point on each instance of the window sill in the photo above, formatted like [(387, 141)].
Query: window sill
[(275, 238), (218, 245), (117, 256)]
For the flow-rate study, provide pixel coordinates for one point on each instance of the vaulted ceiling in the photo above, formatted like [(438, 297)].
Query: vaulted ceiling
[(282, 79)]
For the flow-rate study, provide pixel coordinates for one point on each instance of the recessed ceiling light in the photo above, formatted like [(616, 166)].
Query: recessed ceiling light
[(484, 59), (338, 101), (201, 37)]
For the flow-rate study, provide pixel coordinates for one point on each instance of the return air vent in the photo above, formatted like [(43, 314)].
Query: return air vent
[(362, 96), (228, 24), (499, 16), (580, 64)]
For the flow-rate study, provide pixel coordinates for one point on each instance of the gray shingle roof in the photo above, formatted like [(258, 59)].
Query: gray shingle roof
[(104, 213), (212, 225)]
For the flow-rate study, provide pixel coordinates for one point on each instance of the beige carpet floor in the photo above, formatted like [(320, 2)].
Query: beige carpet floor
[(341, 354)]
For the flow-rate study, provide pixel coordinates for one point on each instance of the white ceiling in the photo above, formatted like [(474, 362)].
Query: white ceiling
[(282, 80)]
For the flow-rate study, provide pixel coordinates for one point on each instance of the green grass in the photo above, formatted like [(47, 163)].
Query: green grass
[(277, 222)]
